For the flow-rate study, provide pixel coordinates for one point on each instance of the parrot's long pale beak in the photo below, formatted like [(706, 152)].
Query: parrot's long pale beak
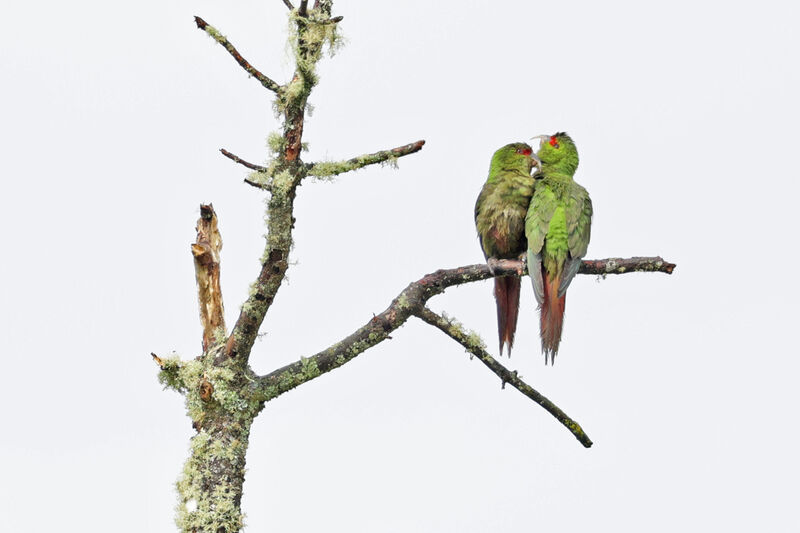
[(542, 138)]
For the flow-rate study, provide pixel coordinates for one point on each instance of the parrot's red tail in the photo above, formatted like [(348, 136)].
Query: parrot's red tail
[(506, 292), (552, 317)]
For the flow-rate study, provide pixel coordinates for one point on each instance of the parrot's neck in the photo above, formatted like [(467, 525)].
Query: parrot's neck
[(556, 172), (499, 174)]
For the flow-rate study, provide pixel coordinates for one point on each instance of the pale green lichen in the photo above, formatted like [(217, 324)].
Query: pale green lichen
[(308, 37), (276, 142), (317, 33), (309, 368), (170, 375), (220, 335), (222, 408), (214, 34), (199, 510), (402, 302), (260, 177), (474, 339), (328, 169), (471, 338)]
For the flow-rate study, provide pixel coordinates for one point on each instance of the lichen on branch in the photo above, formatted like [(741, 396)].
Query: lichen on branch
[(250, 69), (325, 169), (475, 346)]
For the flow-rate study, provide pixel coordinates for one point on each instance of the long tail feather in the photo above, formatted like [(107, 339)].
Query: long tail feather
[(552, 317), (506, 292)]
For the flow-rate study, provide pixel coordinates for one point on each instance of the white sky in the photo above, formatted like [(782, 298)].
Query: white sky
[(685, 115)]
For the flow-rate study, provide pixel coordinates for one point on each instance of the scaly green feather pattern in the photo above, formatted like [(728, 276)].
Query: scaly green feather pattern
[(500, 219), (558, 222), (557, 227), (503, 202)]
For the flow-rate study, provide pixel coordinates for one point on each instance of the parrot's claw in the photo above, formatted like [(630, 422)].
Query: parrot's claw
[(523, 258), (492, 263)]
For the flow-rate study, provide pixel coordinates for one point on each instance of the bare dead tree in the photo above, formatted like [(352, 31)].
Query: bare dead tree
[(223, 395)]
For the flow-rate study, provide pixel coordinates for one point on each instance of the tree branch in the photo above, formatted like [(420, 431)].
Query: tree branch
[(412, 301), (221, 39), (236, 159), (330, 168), (303, 9), (258, 168), (617, 265), (474, 345), (285, 174), (288, 4), (274, 263)]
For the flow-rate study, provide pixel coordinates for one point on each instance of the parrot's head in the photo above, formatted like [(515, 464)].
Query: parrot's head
[(558, 151), (515, 156)]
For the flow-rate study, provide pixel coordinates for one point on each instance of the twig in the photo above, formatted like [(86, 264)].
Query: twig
[(457, 333), (236, 159), (327, 168), (303, 10), (288, 4), (221, 39), (257, 168)]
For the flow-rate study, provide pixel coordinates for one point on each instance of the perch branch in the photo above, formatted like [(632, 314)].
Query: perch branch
[(456, 332), (412, 301), (288, 4), (617, 265), (206, 267), (303, 9), (328, 168), (251, 70)]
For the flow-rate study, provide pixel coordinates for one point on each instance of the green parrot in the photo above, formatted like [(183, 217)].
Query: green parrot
[(500, 220), (557, 228)]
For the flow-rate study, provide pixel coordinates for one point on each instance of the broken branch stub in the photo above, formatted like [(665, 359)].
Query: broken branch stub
[(206, 252)]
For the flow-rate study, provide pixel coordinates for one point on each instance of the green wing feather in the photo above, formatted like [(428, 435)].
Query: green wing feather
[(537, 222), (579, 221), (579, 226)]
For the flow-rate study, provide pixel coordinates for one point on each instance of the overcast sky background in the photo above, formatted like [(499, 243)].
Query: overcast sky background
[(685, 114)]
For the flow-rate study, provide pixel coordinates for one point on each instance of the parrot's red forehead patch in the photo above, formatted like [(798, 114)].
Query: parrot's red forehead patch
[(527, 151), (553, 141)]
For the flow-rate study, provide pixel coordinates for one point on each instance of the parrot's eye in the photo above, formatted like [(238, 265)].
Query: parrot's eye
[(524, 151), (553, 142)]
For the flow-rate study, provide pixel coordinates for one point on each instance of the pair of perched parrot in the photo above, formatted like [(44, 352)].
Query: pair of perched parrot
[(545, 217)]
